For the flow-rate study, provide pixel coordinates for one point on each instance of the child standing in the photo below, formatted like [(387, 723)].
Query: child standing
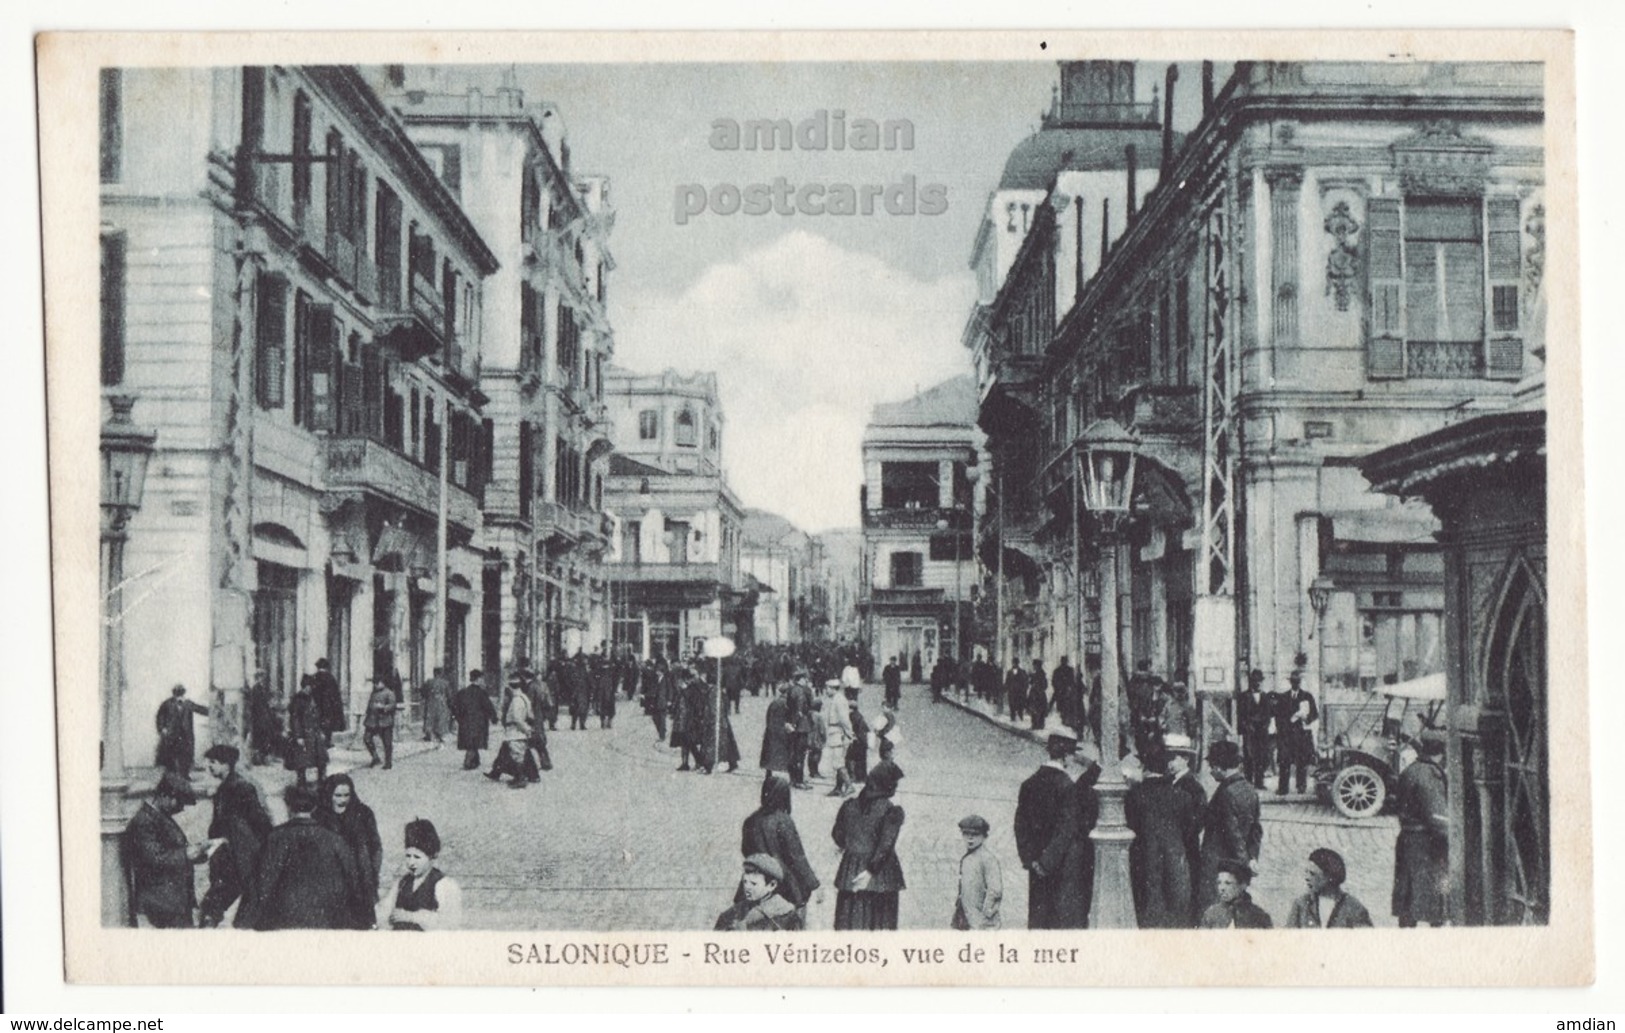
[(981, 881)]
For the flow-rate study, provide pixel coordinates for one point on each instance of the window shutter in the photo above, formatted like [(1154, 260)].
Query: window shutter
[(113, 308), (527, 467), (1385, 344), (270, 340), (1503, 352), (324, 341), (372, 393)]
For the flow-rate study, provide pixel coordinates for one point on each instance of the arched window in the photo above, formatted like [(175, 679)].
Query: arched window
[(686, 432)]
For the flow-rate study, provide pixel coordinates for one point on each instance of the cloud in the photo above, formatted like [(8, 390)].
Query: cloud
[(805, 337)]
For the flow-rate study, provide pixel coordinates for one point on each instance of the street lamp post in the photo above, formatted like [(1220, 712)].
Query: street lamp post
[(1320, 597), (1105, 468), (125, 450)]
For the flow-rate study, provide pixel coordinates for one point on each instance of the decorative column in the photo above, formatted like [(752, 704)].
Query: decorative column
[(1286, 188)]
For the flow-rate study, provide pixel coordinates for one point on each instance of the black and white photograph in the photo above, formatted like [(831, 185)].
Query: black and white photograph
[(810, 511)]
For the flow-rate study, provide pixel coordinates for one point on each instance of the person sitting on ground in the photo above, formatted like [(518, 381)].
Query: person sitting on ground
[(760, 908), (1235, 908), (424, 898), (1326, 905)]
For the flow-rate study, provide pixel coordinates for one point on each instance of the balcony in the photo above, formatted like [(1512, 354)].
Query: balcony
[(906, 597), (1163, 409), (419, 331), (650, 573), (358, 463), (925, 519)]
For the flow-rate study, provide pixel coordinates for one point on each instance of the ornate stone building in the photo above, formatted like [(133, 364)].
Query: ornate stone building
[(1338, 257), (293, 297)]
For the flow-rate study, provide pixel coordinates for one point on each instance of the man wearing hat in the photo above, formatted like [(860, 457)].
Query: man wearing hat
[(158, 859), (1422, 848), (1160, 814), (240, 821), (761, 909), (176, 740), (474, 713), (1326, 905), (307, 877), (1181, 756), (324, 689), (1294, 735), (1046, 833), (981, 880), (1231, 829), (1233, 906), (1253, 708)]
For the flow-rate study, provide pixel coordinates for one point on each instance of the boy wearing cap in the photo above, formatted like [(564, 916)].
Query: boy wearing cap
[(761, 908), (159, 860), (1326, 905), (981, 881)]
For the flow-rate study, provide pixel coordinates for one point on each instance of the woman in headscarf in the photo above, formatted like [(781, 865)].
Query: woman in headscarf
[(870, 876), (770, 830), (424, 898), (307, 742), (342, 811)]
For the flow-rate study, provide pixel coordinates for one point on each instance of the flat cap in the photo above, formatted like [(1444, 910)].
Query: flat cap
[(767, 864), (974, 823)]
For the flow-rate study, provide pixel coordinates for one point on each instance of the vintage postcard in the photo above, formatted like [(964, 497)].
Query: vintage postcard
[(838, 509)]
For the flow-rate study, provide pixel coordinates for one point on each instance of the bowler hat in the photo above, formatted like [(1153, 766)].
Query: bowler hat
[(1224, 754), (975, 823), (767, 864), (176, 788)]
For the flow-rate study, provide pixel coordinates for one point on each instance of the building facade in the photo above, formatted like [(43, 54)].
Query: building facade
[(838, 578), (1337, 258), (547, 340), (780, 557), (293, 298), (921, 469), (673, 569)]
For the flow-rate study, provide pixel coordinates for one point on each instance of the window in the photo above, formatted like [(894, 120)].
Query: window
[(1182, 332), (270, 340), (907, 569), (648, 425), (677, 536), (112, 304), (908, 485), (302, 130), (1429, 294), (112, 124), (632, 542), (569, 343), (687, 433), (387, 249), (527, 467), (715, 437)]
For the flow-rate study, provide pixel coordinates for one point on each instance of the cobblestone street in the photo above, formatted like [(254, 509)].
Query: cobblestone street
[(616, 838)]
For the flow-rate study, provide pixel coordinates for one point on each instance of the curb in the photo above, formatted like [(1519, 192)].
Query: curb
[(997, 721)]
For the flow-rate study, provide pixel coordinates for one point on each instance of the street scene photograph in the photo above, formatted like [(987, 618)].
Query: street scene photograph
[(807, 497)]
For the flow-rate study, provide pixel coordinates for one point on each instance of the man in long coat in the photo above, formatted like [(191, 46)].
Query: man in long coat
[(324, 688), (436, 706), (1047, 830), (656, 683), (776, 731), (1231, 830), (1015, 691), (1181, 754), (1037, 695), (1422, 848), (603, 690), (1253, 710), (799, 715), (159, 860), (1064, 683), (892, 678), (1159, 813), (581, 688), (308, 877), (474, 713), (1294, 735), (241, 820), (177, 742)]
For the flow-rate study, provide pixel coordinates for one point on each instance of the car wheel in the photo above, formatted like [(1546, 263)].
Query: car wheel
[(1358, 792)]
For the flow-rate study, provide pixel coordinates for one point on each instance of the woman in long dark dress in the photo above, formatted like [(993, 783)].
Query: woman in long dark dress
[(770, 830), (870, 876), (342, 811), (307, 741)]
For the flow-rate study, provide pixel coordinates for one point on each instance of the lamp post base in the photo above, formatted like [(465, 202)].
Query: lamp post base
[(115, 882), (1113, 904)]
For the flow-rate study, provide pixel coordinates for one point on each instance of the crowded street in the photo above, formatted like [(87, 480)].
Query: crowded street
[(614, 837)]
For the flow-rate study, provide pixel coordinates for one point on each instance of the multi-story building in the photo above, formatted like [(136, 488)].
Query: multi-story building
[(673, 569), (920, 474), (779, 555), (546, 341), (293, 298), (1065, 195), (837, 575), (1337, 258)]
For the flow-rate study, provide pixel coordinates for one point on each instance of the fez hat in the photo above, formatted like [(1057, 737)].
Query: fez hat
[(1330, 862), (975, 823), (176, 788), (421, 835), (1224, 754), (767, 864), (1243, 874), (223, 753)]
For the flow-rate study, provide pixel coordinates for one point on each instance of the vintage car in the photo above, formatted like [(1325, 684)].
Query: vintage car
[(1357, 771)]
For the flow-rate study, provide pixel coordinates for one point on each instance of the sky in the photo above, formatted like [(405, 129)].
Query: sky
[(808, 320)]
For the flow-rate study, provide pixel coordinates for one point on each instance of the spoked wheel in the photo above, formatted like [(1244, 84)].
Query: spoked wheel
[(1358, 792)]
